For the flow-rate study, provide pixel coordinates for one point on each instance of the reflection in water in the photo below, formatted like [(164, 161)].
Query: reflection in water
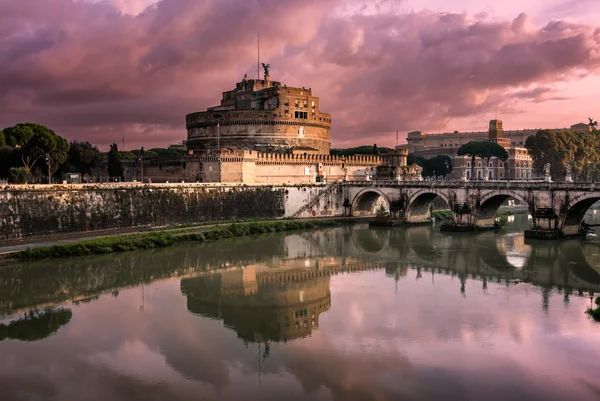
[(347, 314), (260, 306), (35, 326)]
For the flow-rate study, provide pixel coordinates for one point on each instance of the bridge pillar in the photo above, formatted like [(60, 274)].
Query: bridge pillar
[(463, 219), (545, 223)]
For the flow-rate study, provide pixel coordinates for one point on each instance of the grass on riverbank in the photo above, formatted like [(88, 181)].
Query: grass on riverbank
[(159, 239)]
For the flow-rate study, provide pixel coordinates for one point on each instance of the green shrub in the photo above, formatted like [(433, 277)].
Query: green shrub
[(19, 175), (163, 239)]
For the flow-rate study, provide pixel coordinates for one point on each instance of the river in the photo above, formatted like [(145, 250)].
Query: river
[(348, 313)]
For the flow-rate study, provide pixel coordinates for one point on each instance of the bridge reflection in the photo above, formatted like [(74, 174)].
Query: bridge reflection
[(259, 285)]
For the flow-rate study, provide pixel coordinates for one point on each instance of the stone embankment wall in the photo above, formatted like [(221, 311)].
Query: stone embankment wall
[(28, 211)]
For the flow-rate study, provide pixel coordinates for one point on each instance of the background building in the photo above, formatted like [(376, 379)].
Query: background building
[(518, 166)]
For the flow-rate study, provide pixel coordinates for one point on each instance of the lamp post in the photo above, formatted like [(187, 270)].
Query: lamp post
[(142, 164), (49, 169)]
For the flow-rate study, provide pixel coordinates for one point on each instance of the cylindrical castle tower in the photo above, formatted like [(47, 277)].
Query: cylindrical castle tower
[(262, 115)]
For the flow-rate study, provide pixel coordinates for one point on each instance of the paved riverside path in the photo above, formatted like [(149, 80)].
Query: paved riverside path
[(6, 250)]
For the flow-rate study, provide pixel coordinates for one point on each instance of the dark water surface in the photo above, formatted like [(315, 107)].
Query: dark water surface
[(336, 314)]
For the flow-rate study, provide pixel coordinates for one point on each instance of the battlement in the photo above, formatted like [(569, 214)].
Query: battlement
[(238, 155), (282, 158)]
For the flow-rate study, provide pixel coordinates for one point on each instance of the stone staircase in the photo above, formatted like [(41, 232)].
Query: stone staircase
[(324, 193)]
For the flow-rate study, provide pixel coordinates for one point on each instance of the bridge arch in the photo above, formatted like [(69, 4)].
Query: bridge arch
[(368, 200), (373, 242), (490, 203), (576, 210), (418, 205)]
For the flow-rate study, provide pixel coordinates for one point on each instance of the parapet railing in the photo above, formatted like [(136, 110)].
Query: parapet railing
[(506, 131)]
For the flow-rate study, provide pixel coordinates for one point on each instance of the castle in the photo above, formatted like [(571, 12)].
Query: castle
[(265, 132)]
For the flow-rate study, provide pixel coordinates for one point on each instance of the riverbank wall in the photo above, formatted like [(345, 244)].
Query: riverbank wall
[(40, 211)]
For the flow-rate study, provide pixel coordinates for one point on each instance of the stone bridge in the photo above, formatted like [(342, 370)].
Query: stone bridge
[(557, 209)]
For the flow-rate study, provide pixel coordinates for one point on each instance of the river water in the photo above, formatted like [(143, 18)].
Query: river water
[(349, 313)]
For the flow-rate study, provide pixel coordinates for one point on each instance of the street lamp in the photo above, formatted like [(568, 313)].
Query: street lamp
[(49, 169), (142, 163)]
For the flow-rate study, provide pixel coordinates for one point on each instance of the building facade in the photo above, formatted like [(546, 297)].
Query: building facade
[(519, 165)]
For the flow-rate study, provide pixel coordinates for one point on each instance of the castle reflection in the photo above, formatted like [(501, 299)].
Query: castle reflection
[(262, 303), (275, 287)]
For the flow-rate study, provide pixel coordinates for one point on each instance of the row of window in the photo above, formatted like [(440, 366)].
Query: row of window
[(519, 174), (298, 103), (501, 164)]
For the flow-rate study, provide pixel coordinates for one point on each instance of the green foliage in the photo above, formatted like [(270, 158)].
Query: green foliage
[(2, 139), (375, 150), (162, 153), (19, 175), (442, 214), (440, 165), (497, 151), (595, 312), (34, 141), (35, 326), (164, 239), (9, 157), (115, 167), (359, 150), (83, 157), (382, 213), (580, 149), (127, 155)]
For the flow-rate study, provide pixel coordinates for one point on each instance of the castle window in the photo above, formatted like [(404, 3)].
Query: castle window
[(313, 103), (301, 114)]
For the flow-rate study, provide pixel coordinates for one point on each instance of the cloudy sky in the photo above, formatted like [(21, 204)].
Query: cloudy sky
[(96, 70)]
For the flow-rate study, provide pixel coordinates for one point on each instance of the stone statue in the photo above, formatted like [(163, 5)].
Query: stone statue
[(547, 172), (266, 67), (568, 177), (464, 176)]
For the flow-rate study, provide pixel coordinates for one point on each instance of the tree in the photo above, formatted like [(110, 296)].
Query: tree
[(474, 149), (497, 151), (593, 124), (581, 150), (440, 165), (83, 157), (375, 151), (34, 141), (115, 167), (19, 175), (2, 139)]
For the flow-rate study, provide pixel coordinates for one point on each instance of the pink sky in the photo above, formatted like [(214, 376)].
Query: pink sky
[(95, 70)]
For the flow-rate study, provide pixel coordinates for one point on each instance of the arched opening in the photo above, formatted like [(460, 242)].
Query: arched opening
[(488, 209), (574, 219), (420, 207), (368, 202), (371, 241)]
